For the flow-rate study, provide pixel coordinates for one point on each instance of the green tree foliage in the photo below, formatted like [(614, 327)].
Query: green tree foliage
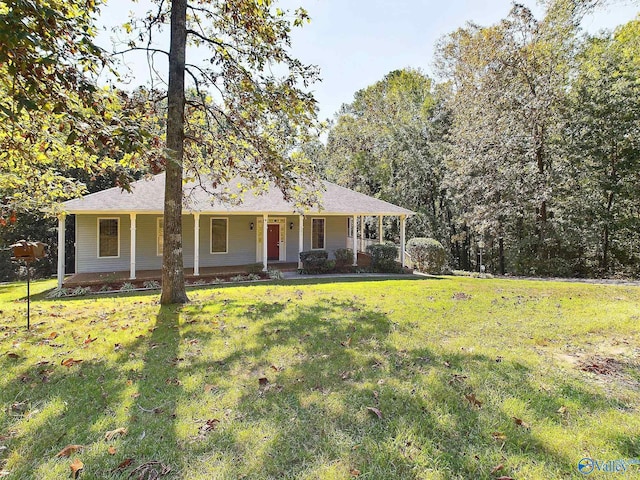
[(529, 144), (386, 144), (506, 90), (604, 149), (53, 117)]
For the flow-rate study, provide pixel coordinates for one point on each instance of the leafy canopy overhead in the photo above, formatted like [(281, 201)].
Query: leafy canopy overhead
[(53, 116), (248, 111)]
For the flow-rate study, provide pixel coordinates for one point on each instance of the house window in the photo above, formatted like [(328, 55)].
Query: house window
[(219, 235), (108, 237), (317, 233), (160, 236)]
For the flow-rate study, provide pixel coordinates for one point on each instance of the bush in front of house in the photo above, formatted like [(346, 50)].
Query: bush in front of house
[(383, 258), (428, 254), (344, 259), (316, 261)]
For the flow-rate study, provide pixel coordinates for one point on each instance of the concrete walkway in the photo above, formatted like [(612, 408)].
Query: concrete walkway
[(298, 276)]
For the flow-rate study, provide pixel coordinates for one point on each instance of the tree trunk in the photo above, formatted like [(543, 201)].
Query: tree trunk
[(501, 254), (173, 288), (542, 214), (604, 264)]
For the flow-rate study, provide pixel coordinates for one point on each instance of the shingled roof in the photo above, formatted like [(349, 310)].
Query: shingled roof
[(147, 196)]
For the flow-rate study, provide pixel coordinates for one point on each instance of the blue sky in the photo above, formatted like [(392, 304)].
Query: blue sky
[(356, 42)]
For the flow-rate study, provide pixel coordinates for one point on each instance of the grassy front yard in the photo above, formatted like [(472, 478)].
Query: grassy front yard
[(418, 378)]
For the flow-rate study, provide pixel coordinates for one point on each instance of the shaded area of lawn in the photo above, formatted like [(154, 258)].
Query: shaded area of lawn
[(285, 381)]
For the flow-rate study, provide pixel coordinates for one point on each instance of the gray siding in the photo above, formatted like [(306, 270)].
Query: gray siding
[(292, 238), (147, 257), (146, 248), (241, 245), (87, 245), (335, 233)]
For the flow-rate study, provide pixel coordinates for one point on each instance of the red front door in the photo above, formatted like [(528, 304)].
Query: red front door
[(273, 242)]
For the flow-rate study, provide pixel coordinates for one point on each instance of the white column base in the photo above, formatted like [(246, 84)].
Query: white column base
[(61, 240)]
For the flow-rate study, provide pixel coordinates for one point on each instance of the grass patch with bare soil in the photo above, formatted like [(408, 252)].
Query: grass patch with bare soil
[(333, 379)]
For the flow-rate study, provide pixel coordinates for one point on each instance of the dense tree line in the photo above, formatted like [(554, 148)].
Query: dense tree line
[(529, 145)]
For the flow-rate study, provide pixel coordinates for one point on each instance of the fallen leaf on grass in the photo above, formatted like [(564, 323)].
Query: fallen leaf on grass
[(499, 436), (346, 343), (12, 355), (150, 470), (53, 335), (471, 398), (520, 422), (112, 450), (354, 472), (89, 339), (76, 467), (375, 411), (562, 410), (274, 368), (461, 296), (111, 434), (70, 362), (601, 366), (263, 381), (124, 464), (19, 407), (209, 426), (69, 450), (497, 468), (210, 388)]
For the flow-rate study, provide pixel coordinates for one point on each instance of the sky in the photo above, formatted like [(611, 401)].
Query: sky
[(357, 42)]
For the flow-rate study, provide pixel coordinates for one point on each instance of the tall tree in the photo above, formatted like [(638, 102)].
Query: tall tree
[(384, 143), (507, 88), (245, 113), (604, 147)]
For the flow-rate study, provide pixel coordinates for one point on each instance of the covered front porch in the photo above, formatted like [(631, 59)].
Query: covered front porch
[(244, 244)]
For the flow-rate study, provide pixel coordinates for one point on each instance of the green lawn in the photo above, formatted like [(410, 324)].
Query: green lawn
[(276, 380)]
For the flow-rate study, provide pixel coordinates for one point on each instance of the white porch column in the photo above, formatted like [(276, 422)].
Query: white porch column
[(354, 226), (265, 227), (61, 240), (362, 239), (380, 230), (132, 256), (196, 244), (403, 226), (300, 238)]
